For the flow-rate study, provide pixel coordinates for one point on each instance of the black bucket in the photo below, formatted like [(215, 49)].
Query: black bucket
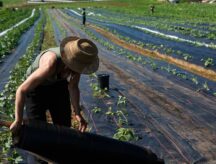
[(103, 81), (63, 145)]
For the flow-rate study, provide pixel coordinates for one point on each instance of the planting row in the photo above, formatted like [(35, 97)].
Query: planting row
[(197, 82), (7, 96), (10, 40), (194, 28), (145, 104), (202, 56), (9, 17)]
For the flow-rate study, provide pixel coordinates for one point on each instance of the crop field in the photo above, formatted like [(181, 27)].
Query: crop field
[(162, 68)]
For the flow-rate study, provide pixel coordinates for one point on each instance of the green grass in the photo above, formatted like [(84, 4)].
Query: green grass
[(49, 38), (13, 3), (194, 11), (184, 11)]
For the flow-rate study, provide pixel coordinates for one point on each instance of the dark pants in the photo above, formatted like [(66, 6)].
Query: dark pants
[(55, 98), (84, 20)]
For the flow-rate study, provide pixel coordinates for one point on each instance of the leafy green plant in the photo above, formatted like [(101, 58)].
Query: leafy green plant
[(125, 134), (154, 66), (93, 75), (97, 92), (96, 110), (8, 154), (205, 86), (194, 80), (208, 62), (110, 112), (121, 101), (122, 119), (187, 57)]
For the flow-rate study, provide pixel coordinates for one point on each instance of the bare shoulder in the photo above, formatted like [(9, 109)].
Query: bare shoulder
[(48, 59)]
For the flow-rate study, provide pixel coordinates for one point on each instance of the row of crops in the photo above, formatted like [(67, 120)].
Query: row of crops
[(128, 115), (202, 57), (9, 42)]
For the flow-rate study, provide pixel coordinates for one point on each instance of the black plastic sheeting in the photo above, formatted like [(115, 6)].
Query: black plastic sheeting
[(184, 82), (62, 145), (168, 116), (164, 20)]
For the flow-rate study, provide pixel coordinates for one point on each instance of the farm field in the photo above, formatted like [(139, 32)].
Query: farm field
[(162, 68)]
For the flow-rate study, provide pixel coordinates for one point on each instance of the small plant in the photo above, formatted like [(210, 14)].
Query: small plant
[(208, 62), (182, 75), (121, 100), (187, 57), (125, 134), (174, 71), (205, 86), (96, 110), (154, 66), (97, 92), (110, 112), (122, 119), (93, 75), (11, 155), (194, 80)]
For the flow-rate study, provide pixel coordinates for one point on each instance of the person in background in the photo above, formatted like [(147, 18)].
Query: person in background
[(83, 16), (152, 9)]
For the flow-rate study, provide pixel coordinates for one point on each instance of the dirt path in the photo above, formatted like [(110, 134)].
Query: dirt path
[(174, 121)]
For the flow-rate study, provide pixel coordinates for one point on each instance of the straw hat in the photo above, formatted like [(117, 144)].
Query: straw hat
[(80, 55)]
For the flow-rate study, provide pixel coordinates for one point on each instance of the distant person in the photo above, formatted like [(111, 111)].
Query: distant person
[(152, 8), (84, 16)]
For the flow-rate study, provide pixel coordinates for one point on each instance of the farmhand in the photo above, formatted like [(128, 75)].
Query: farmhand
[(52, 83)]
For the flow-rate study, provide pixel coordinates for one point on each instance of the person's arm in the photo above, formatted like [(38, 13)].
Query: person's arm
[(75, 101), (46, 69)]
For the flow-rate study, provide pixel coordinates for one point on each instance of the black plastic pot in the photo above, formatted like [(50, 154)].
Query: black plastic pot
[(103, 81), (64, 145)]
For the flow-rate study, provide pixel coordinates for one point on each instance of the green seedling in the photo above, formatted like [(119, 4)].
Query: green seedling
[(97, 92), (194, 80), (96, 110), (93, 76), (187, 57), (174, 72), (122, 119), (154, 66), (121, 101), (208, 62), (205, 86), (110, 112), (125, 134)]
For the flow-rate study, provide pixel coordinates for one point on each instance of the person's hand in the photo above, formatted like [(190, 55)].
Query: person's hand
[(82, 123), (15, 126)]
